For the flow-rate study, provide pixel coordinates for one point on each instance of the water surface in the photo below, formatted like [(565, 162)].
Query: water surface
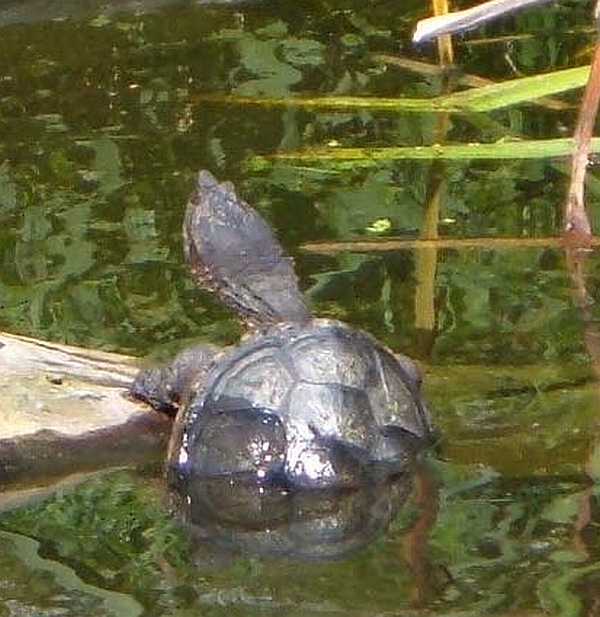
[(103, 127)]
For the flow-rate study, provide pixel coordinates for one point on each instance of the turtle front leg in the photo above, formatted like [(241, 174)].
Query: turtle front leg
[(166, 388)]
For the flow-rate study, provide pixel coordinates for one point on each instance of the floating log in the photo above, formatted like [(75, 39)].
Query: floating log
[(65, 409)]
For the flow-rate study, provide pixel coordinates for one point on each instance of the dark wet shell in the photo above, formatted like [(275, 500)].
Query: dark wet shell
[(311, 403)]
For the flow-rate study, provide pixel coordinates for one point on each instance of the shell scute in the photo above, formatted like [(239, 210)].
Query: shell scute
[(258, 376), (333, 356)]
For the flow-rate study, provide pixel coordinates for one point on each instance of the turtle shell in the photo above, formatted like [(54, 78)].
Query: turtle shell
[(314, 405)]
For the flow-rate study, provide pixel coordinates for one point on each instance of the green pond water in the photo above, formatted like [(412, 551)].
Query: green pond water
[(102, 126)]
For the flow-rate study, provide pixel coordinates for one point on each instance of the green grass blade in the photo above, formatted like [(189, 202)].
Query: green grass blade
[(483, 99), (332, 103), (522, 90), (366, 157)]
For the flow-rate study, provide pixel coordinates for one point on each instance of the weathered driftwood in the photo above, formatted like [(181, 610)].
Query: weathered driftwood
[(64, 410)]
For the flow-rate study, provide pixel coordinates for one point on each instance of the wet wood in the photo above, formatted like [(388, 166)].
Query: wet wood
[(65, 409)]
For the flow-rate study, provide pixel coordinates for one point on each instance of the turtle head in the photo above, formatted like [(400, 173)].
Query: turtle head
[(233, 253)]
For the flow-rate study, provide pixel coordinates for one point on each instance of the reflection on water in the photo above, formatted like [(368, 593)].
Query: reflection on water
[(101, 134), (496, 544), (277, 520)]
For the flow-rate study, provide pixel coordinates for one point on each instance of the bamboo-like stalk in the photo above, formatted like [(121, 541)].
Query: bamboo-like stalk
[(426, 260)]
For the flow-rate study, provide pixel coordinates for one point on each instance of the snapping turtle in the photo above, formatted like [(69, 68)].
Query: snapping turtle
[(304, 416)]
